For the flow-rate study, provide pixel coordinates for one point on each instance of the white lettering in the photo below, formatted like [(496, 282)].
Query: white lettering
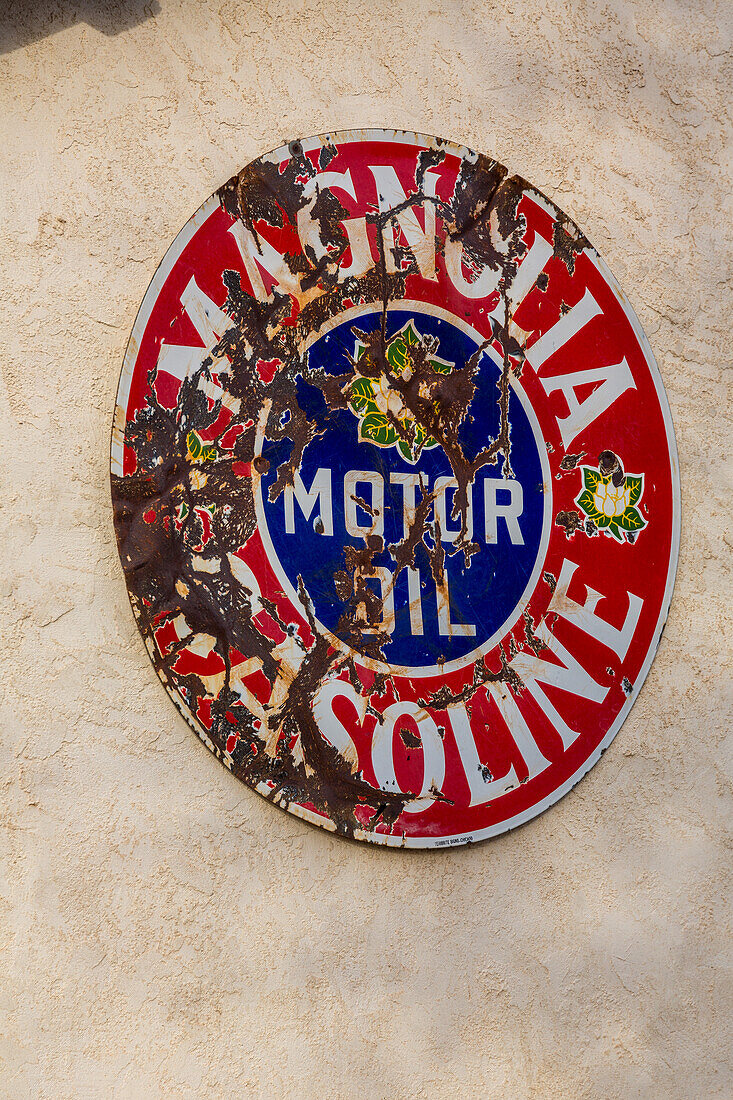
[(482, 790), (210, 323), (509, 509), (207, 318), (351, 519), (568, 325), (510, 512), (331, 727), (432, 751), (391, 194), (320, 491), (355, 228), (386, 584), (519, 729), (409, 483), (414, 597), (258, 254), (361, 253), (441, 509), (570, 675), (584, 615), (529, 270), (308, 228), (487, 281), (445, 626), (482, 286), (615, 380)]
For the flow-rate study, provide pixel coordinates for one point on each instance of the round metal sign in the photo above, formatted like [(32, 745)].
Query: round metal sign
[(395, 488)]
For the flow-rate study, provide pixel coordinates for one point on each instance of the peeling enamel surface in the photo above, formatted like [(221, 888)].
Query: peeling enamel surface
[(370, 405)]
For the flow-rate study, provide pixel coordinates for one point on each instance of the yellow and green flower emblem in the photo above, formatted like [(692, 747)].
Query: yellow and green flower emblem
[(612, 507), (377, 403)]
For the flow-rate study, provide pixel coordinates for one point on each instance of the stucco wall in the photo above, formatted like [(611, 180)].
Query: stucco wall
[(164, 931)]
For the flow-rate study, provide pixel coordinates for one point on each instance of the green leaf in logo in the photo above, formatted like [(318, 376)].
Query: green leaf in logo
[(397, 347), (632, 519), (362, 395), (585, 501), (208, 453), (377, 429), (635, 485), (591, 478), (397, 354), (420, 441), (195, 446)]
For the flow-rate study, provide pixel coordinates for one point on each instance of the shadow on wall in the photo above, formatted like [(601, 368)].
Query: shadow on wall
[(26, 21)]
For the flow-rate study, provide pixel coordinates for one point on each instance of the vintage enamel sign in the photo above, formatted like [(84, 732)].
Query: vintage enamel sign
[(395, 488)]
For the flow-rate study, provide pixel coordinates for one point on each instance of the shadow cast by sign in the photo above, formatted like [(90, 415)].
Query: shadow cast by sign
[(24, 23)]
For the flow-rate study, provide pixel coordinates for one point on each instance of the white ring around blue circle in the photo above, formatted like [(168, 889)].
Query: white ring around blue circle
[(417, 671)]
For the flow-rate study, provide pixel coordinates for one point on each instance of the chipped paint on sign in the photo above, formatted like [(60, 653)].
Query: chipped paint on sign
[(380, 402)]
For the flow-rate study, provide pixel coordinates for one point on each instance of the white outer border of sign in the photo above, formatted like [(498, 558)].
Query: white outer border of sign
[(117, 453)]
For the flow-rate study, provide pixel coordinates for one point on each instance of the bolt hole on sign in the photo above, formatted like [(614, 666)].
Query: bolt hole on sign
[(395, 488)]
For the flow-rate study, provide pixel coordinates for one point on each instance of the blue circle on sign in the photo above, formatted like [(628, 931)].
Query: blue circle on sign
[(311, 522)]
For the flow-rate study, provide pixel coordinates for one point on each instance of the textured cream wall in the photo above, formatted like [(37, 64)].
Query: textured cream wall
[(164, 931)]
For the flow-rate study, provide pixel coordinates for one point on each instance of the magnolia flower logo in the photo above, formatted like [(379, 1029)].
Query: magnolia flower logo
[(377, 403), (609, 498)]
